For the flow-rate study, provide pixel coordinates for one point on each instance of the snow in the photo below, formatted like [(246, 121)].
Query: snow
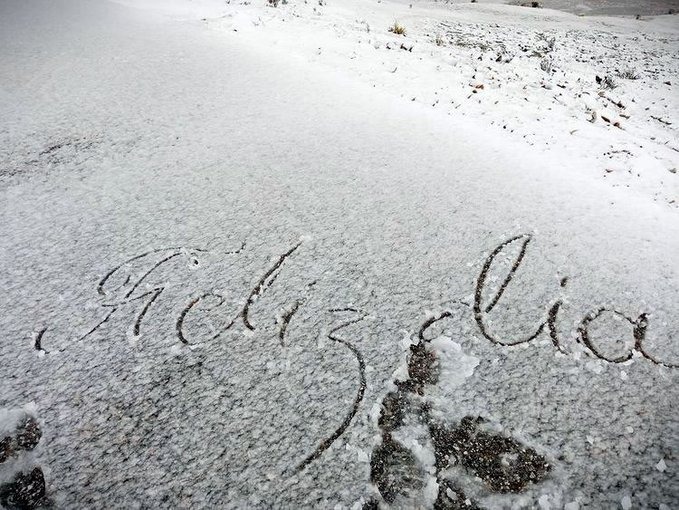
[(10, 421), (661, 465), (493, 71), (626, 503), (196, 125), (455, 365), (11, 417)]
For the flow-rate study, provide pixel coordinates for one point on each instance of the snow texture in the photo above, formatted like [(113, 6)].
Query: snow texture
[(218, 220)]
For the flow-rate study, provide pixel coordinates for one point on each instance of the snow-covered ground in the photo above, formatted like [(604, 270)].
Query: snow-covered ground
[(600, 89), (259, 257)]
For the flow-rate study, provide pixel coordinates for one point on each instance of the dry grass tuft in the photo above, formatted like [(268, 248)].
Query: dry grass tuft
[(397, 29)]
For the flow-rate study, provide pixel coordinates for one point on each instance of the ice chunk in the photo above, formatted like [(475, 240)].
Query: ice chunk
[(455, 365), (626, 503)]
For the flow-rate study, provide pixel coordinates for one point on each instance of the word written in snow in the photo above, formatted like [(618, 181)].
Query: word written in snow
[(132, 282), (482, 308)]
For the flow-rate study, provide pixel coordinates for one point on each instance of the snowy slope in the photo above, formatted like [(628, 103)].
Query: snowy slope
[(140, 151), (600, 89)]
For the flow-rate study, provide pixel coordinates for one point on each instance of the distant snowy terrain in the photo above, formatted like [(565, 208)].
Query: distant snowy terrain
[(281, 257), (600, 89), (602, 7)]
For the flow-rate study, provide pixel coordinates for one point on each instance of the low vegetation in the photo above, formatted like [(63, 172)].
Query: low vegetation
[(397, 29)]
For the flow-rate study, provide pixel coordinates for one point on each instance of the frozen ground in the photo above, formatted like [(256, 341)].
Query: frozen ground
[(233, 240)]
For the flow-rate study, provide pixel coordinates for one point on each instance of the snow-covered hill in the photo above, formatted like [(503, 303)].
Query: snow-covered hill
[(597, 89)]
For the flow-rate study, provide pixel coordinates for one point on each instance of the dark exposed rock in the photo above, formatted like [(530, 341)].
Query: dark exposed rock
[(393, 410), (25, 436), (371, 504), (453, 498), (29, 434), (423, 367), (395, 470), (25, 492), (6, 450), (503, 463)]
